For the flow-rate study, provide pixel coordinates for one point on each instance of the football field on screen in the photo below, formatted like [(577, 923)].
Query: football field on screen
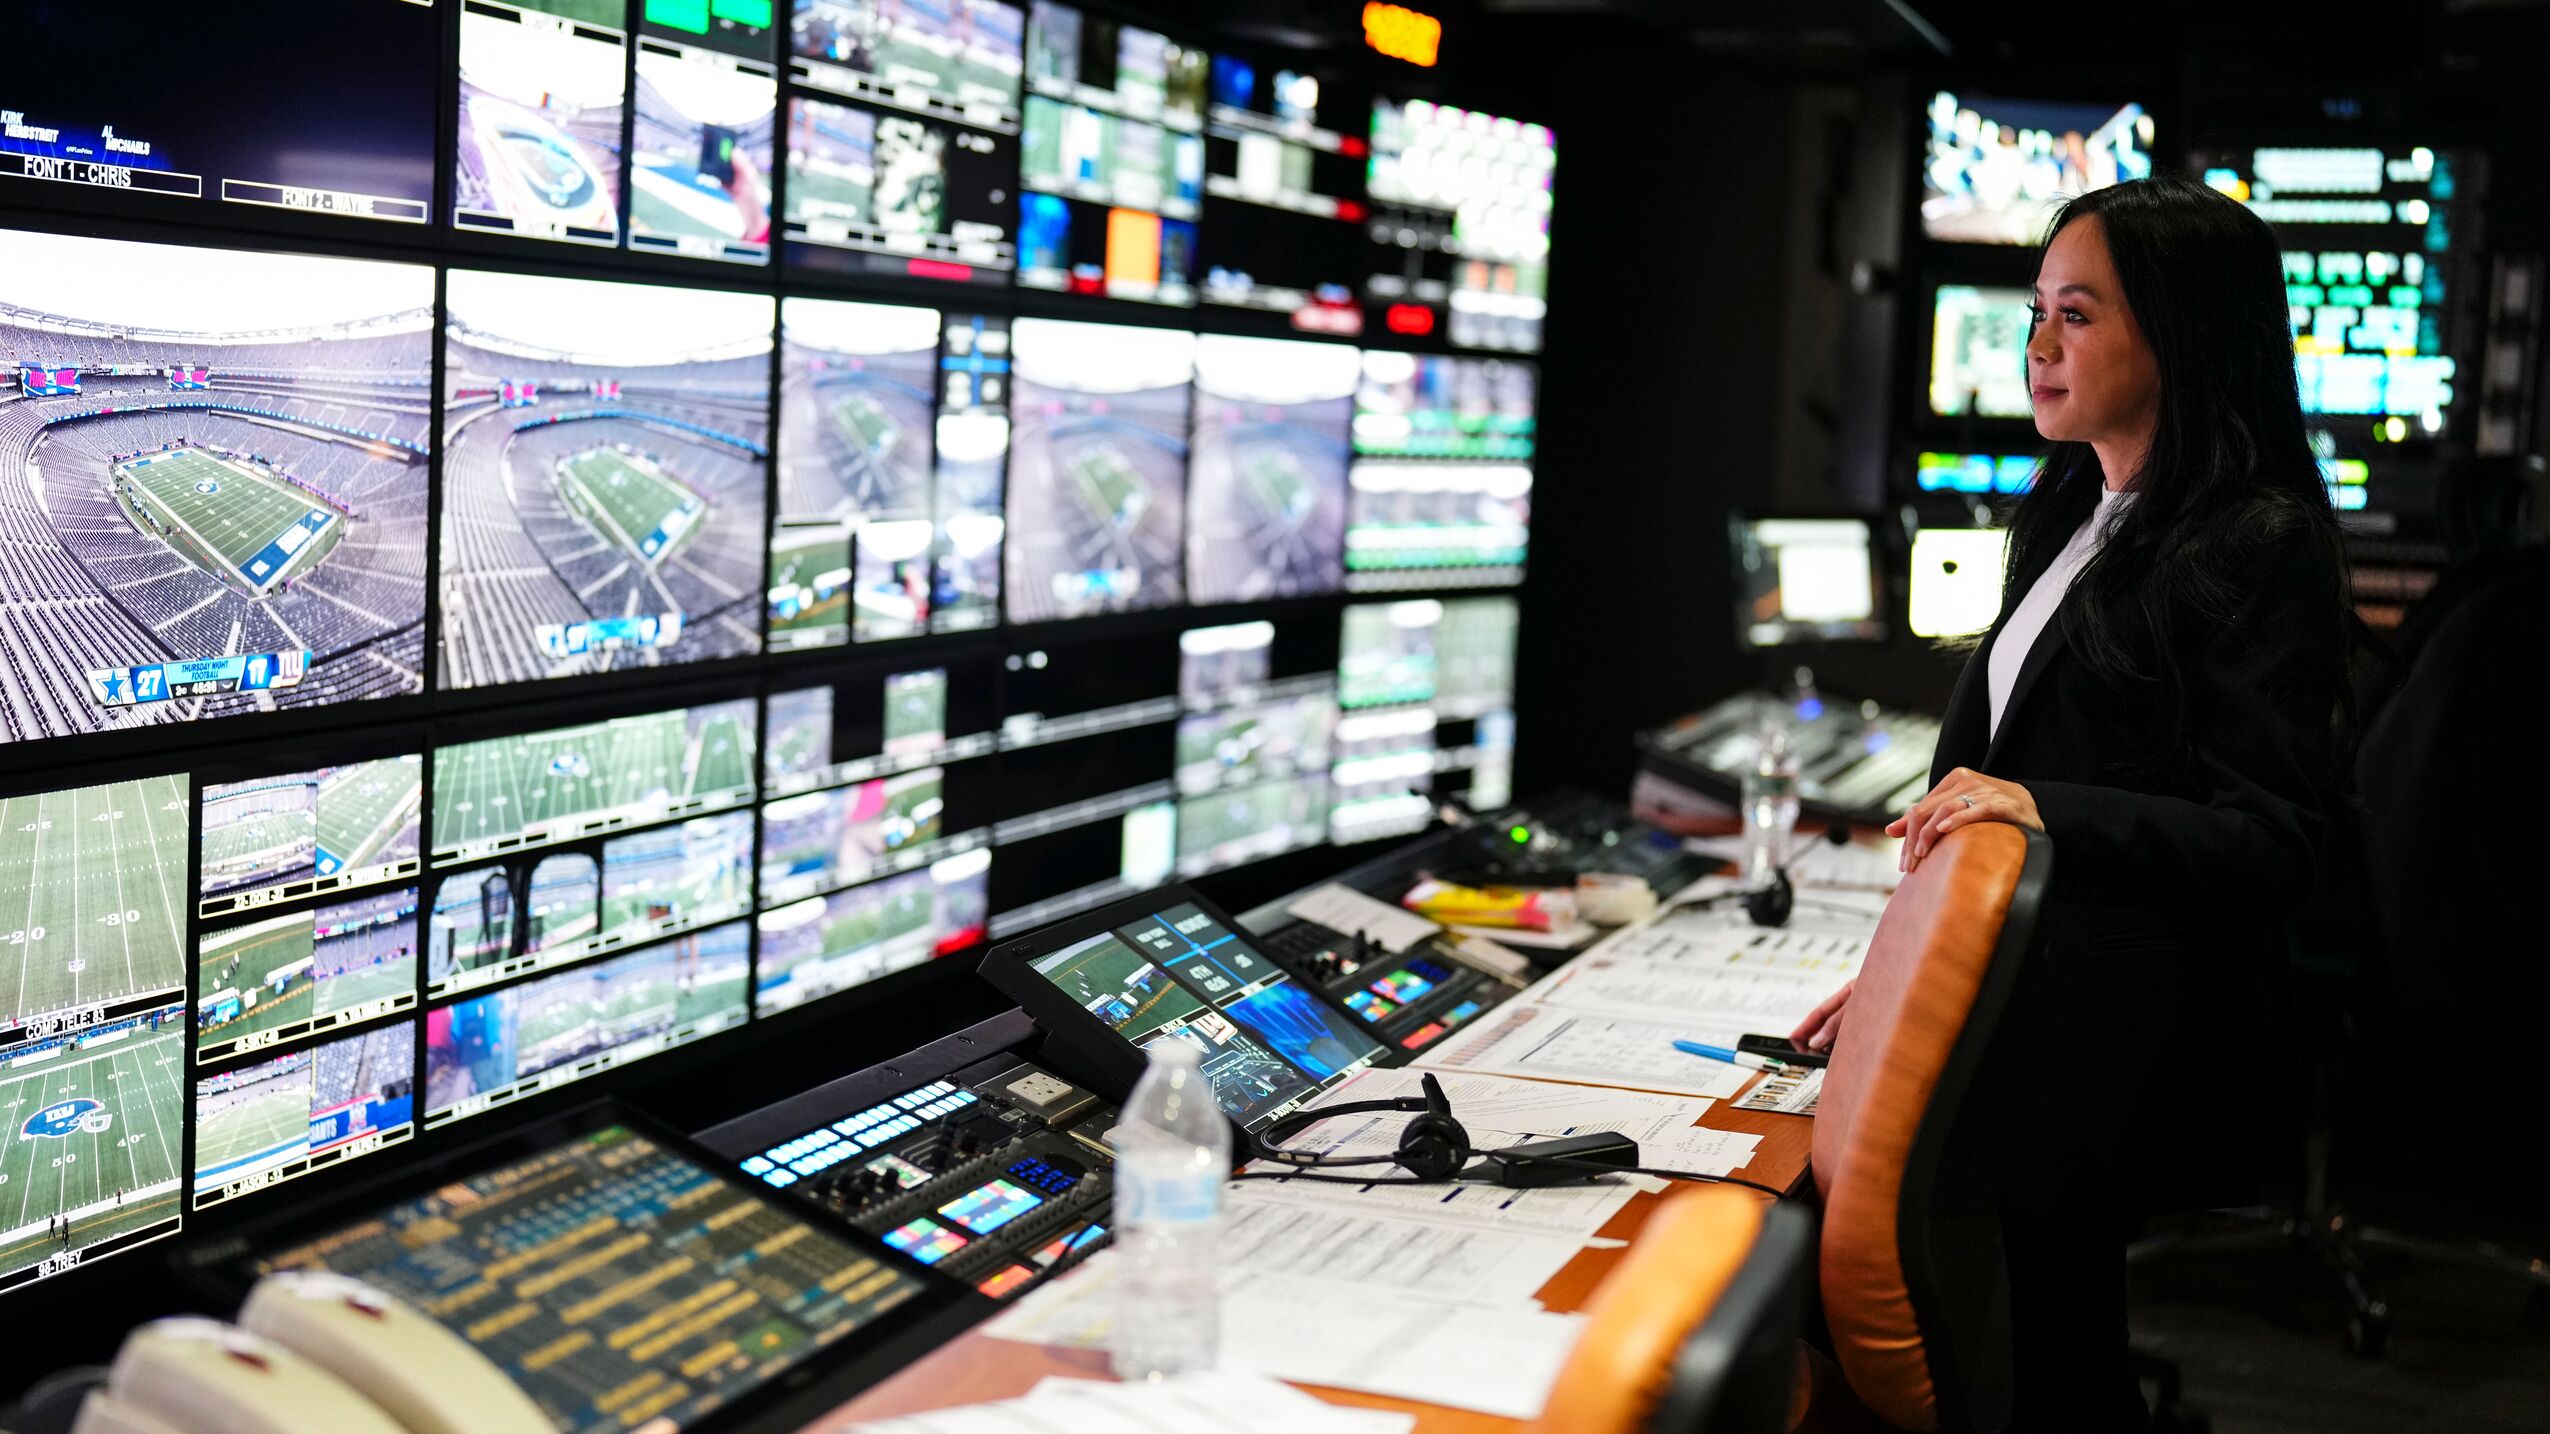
[(640, 507), (241, 516), (135, 1083), (488, 789), (92, 895)]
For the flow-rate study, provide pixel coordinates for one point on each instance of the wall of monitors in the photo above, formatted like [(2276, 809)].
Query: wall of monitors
[(580, 525)]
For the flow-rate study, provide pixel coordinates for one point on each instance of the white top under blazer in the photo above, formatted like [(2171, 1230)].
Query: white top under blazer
[(2028, 619)]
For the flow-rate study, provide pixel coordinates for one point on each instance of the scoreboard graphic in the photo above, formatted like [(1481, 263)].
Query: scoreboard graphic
[(206, 677)]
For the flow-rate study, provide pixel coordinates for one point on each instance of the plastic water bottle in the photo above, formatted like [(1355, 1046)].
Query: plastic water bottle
[(1173, 1153), (1770, 807)]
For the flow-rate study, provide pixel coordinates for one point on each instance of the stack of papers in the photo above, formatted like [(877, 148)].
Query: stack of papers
[(1237, 1403), (1336, 1333)]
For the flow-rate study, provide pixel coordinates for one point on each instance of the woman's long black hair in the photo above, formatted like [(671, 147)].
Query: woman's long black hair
[(2230, 477)]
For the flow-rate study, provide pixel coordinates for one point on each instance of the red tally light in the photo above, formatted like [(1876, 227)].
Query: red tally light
[(938, 269), (1352, 146), (1351, 210), (1408, 319)]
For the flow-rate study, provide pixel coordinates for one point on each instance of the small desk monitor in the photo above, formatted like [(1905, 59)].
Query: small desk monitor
[(1805, 580), (1956, 580)]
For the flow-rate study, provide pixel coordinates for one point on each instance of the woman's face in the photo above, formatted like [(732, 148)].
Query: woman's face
[(2091, 378)]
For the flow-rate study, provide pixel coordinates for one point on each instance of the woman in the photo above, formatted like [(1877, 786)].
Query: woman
[(2158, 697)]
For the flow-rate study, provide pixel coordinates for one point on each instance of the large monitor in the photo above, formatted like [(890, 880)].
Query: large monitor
[(1284, 212), (1979, 352), (602, 486), (543, 94), (1461, 223), (325, 109), (94, 884), (827, 944), (218, 461), (1994, 169), (1955, 589), (1098, 468), (96, 1139), (1169, 968), (1442, 480), (704, 130), (856, 384), (1805, 580), (2367, 232), (484, 1051), (1267, 488)]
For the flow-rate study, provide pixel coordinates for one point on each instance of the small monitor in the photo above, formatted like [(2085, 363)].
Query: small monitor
[(1805, 580), (1979, 352), (1993, 170), (1169, 967), (1956, 580)]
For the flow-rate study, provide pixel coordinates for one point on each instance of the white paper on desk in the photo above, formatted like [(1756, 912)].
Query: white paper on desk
[(1341, 908), (1347, 1336), (1334, 1240), (1701, 1151), (1715, 997), (1240, 1403), (1573, 934), (1523, 1038)]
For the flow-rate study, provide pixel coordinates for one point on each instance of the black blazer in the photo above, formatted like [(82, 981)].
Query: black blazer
[(2163, 944)]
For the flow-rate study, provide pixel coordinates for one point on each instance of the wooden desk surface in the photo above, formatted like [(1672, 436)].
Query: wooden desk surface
[(975, 1368)]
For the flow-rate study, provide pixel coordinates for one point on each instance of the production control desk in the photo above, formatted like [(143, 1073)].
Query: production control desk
[(975, 1155), (1857, 762)]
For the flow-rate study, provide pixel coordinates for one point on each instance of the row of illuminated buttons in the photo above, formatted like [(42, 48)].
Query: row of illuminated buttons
[(870, 1128)]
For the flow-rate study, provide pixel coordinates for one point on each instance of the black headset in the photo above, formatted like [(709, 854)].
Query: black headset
[(1433, 1146)]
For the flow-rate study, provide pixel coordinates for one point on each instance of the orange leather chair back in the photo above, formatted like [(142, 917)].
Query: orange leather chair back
[(1930, 992), (1659, 1317)]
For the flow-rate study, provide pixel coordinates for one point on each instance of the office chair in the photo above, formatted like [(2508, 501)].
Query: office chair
[(1911, 1139), (1695, 1331), (2429, 882)]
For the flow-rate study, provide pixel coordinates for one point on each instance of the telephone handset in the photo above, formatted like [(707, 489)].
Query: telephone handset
[(424, 1376), (200, 1376), (313, 1353)]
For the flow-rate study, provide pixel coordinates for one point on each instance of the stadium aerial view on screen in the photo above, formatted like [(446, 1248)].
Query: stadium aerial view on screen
[(602, 496), (542, 89), (541, 787), (854, 446), (1267, 492), (92, 902), (94, 1129), (212, 479), (1097, 468)]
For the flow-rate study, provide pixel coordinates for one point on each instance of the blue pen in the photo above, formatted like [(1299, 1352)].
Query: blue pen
[(1746, 1059)]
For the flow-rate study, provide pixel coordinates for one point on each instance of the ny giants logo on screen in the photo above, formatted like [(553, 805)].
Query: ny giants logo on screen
[(61, 1121)]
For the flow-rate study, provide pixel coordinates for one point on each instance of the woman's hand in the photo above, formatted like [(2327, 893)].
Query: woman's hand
[(1962, 796), (1823, 1025)]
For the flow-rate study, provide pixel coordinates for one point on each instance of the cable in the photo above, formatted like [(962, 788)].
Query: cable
[(1591, 1166), (1070, 1258)]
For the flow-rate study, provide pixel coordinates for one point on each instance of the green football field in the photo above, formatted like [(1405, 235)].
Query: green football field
[(711, 992), (135, 1081), (240, 960), (364, 809), (819, 190), (797, 562), (635, 504), (724, 760), (1113, 489), (865, 424), (497, 788), (92, 894), (241, 521), (273, 1113), (1276, 481), (364, 985)]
